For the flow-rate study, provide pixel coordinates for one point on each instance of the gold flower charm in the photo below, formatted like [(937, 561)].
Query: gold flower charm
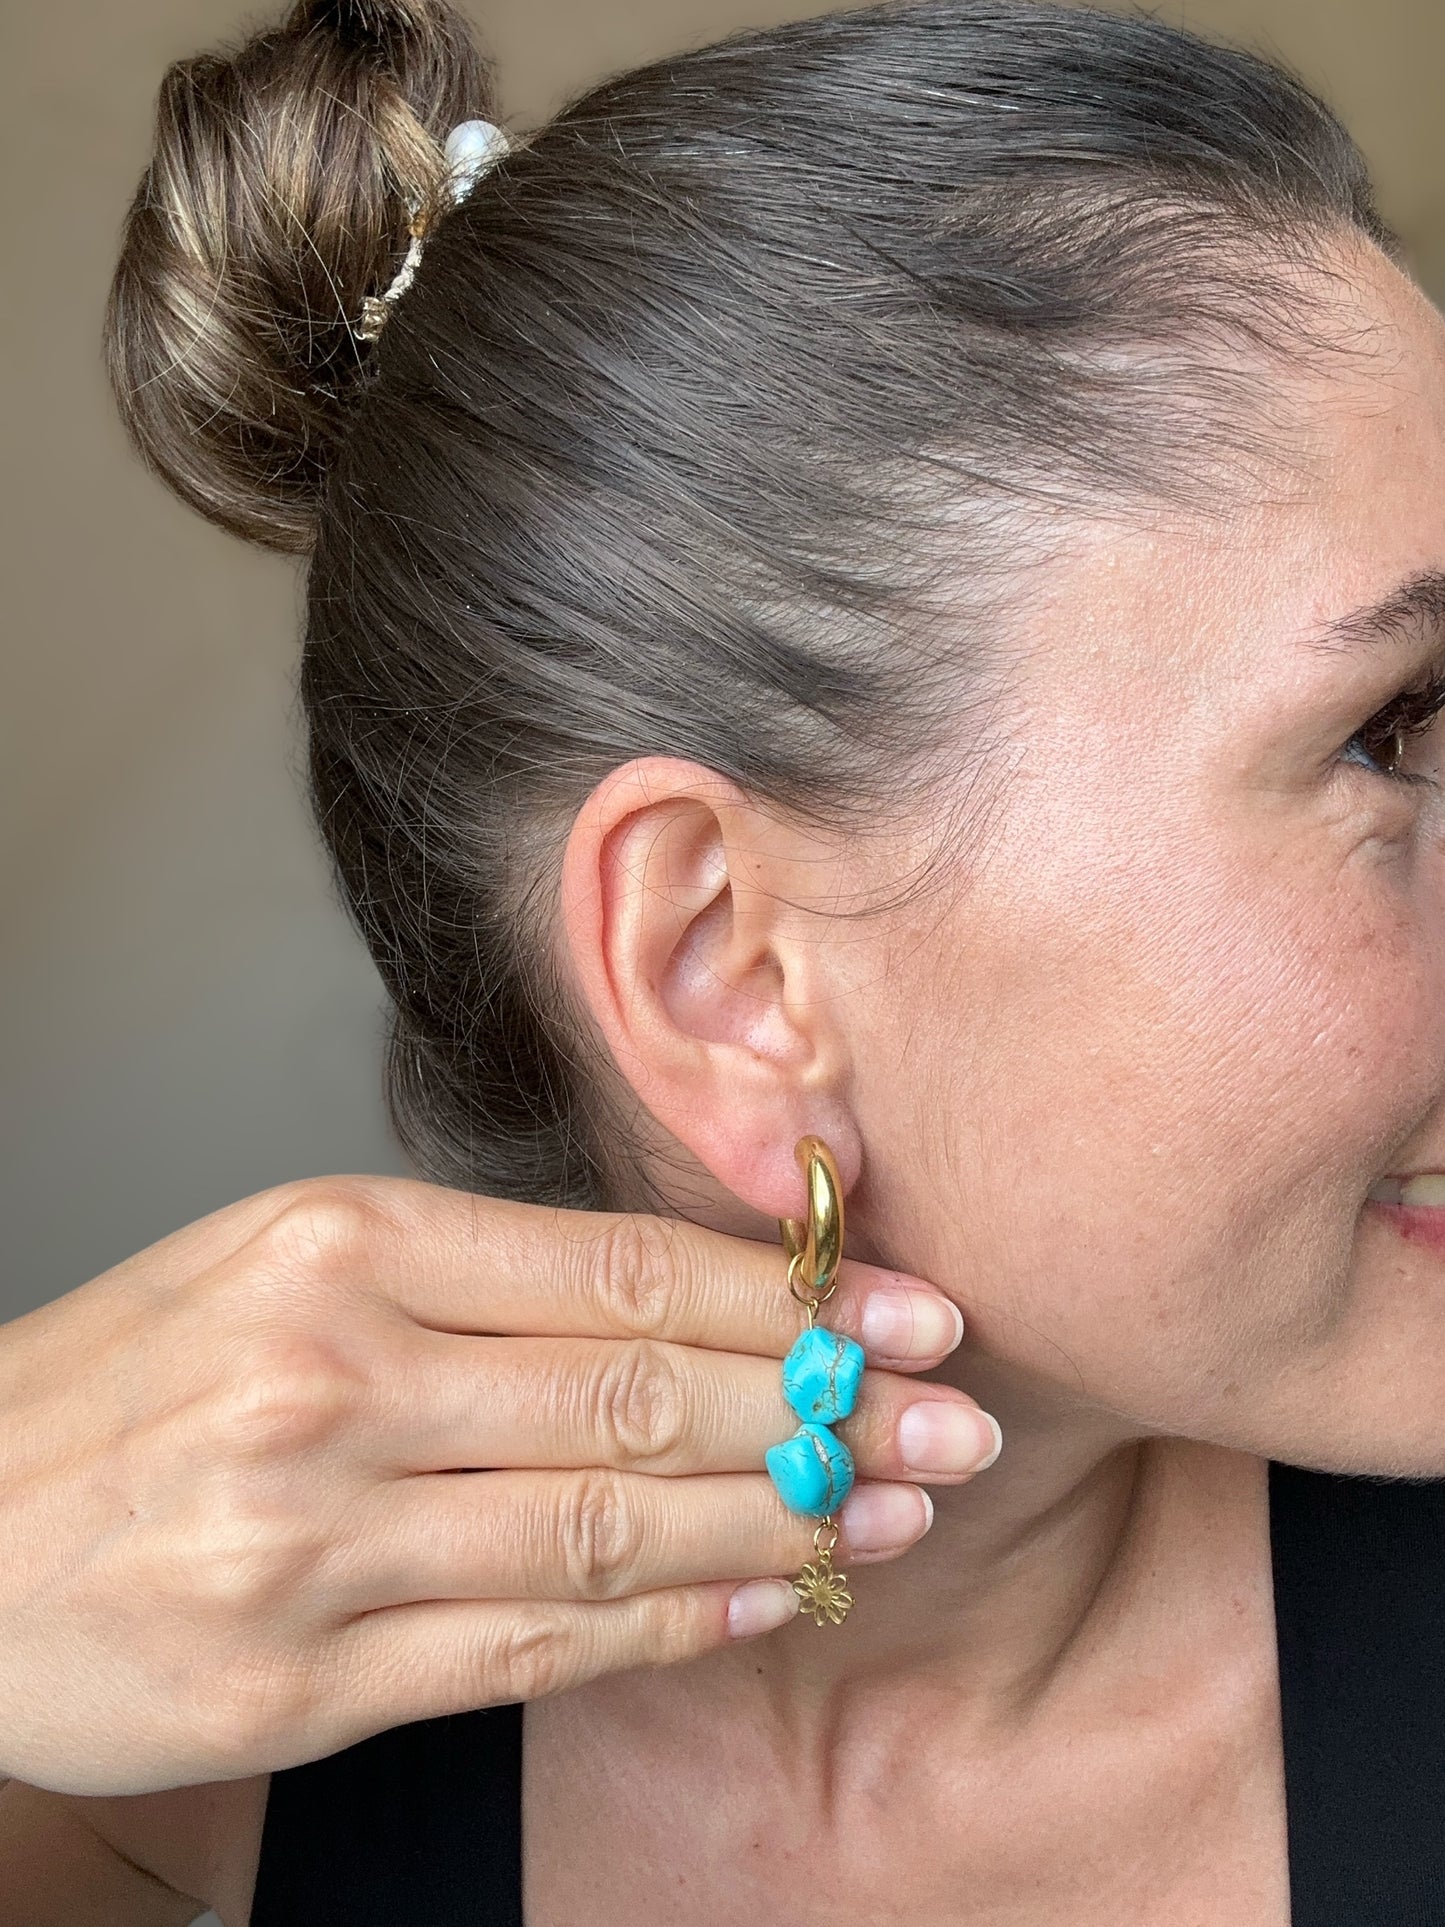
[(824, 1593)]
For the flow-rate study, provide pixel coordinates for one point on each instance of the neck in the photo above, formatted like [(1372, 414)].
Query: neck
[(1086, 1553), (1082, 1557), (996, 1594)]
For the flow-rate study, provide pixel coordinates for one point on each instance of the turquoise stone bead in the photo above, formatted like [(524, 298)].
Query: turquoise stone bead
[(821, 1374), (813, 1470)]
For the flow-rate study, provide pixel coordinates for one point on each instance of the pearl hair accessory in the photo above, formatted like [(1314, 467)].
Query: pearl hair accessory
[(472, 147)]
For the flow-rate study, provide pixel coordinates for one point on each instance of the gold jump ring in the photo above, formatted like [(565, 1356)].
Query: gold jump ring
[(824, 1525)]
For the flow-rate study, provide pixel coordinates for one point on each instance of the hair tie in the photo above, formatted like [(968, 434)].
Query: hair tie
[(472, 147)]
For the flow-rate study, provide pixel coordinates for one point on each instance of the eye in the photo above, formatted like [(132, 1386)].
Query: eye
[(1382, 745)]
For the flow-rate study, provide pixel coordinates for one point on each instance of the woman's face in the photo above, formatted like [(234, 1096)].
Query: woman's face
[(1189, 1006)]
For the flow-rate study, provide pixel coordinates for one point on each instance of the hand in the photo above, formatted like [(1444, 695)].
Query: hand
[(238, 1526)]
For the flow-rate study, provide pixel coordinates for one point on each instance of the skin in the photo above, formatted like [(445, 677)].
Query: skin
[(1122, 1096), (246, 1543), (1120, 1093)]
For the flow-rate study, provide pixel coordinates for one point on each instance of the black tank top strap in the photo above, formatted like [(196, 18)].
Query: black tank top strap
[(1359, 1583), (417, 1827)]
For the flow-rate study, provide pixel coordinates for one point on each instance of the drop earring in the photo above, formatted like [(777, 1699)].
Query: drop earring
[(813, 1470)]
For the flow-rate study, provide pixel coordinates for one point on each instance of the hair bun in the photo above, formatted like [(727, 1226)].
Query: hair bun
[(278, 196)]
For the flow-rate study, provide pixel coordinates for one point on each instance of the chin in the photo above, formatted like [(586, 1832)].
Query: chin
[(1359, 1387), (1378, 1402)]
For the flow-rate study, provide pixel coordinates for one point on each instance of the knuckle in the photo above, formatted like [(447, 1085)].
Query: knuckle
[(254, 1706), (245, 1566), (641, 1407), (678, 1630), (632, 1286), (288, 1395), (528, 1660), (602, 1541), (325, 1228)]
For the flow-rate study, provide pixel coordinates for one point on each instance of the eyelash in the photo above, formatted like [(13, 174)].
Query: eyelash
[(1409, 713)]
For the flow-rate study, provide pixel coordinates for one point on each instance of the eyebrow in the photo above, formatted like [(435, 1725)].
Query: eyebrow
[(1405, 615)]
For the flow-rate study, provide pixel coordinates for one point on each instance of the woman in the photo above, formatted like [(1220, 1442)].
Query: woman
[(882, 579)]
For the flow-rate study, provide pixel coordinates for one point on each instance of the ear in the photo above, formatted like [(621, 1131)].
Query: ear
[(688, 936)]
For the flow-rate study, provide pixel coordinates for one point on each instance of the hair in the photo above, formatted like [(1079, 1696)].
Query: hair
[(712, 426)]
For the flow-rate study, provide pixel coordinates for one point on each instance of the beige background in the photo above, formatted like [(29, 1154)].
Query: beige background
[(188, 1017)]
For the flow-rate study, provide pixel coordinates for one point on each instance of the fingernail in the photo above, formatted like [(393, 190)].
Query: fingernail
[(899, 1323), (761, 1606), (941, 1436), (885, 1518)]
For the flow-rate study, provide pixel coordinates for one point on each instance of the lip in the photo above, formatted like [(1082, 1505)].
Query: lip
[(1418, 1224)]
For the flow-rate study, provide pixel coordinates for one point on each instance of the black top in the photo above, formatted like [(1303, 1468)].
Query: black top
[(422, 1826)]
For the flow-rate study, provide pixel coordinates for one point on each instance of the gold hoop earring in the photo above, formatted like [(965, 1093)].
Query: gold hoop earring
[(813, 1470), (815, 1245)]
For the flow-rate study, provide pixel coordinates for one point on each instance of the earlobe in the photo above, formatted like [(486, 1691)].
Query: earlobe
[(684, 946)]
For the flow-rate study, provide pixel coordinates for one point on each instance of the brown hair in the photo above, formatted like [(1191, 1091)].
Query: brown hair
[(655, 455)]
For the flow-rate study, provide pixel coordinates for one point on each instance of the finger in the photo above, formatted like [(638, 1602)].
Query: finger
[(452, 1656), (594, 1534), (639, 1405), (457, 1262)]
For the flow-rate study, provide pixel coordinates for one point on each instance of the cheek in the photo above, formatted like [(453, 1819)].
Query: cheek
[(1159, 1080)]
